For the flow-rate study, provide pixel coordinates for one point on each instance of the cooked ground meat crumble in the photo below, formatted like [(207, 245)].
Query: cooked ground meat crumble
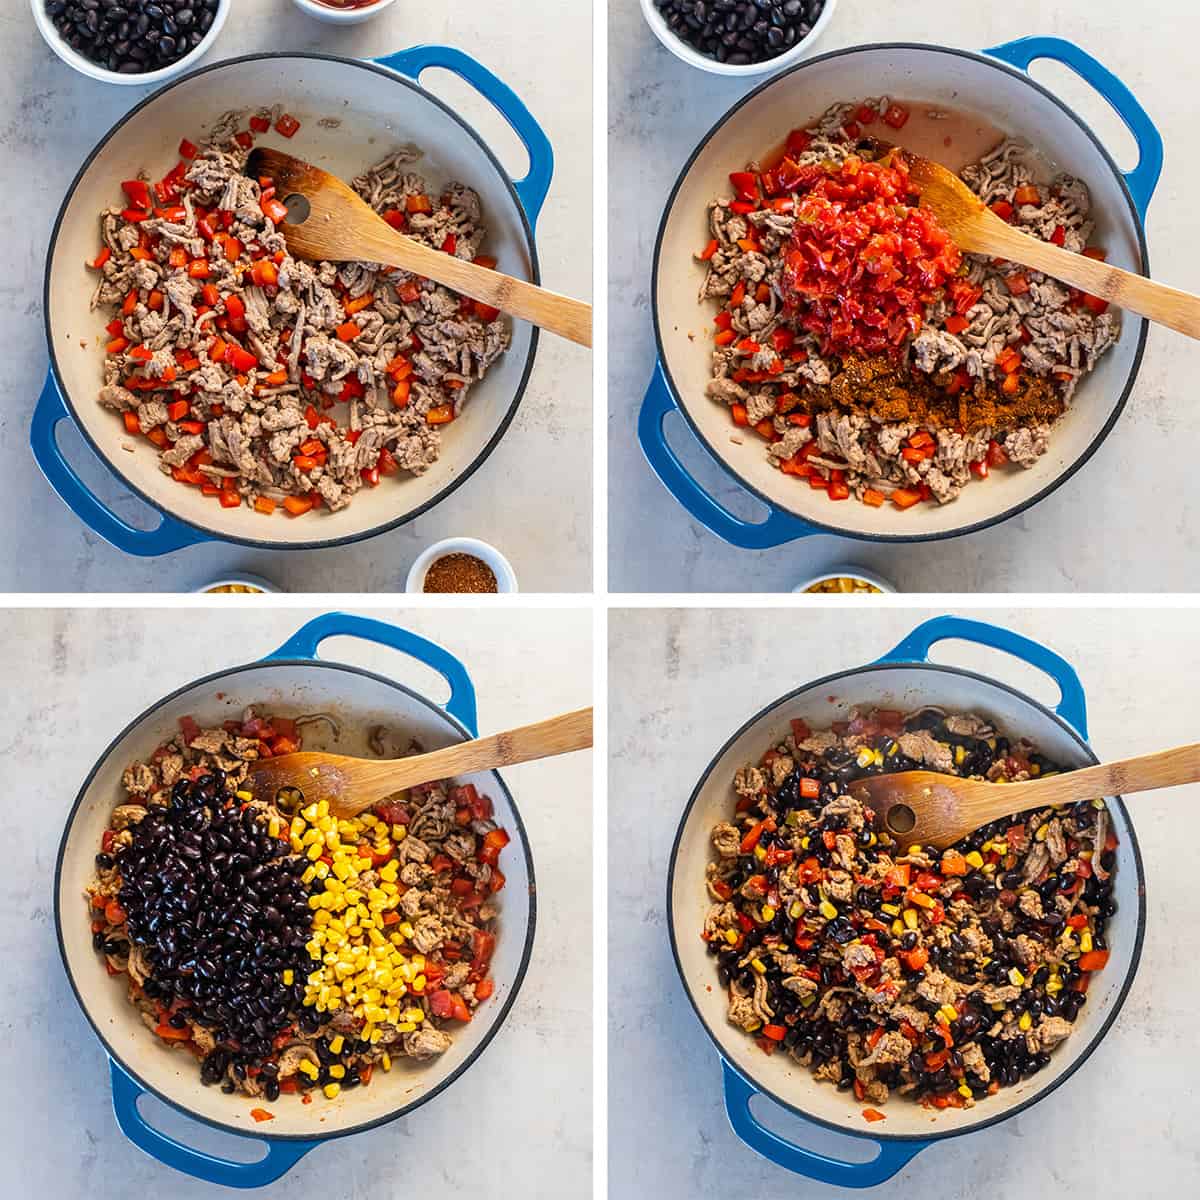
[(266, 380), (987, 368), (288, 951), (941, 975)]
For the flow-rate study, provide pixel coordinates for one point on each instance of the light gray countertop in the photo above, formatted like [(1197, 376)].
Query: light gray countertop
[(532, 499), (1113, 527), (517, 1123), (682, 682)]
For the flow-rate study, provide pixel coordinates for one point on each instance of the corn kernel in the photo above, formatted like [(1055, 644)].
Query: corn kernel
[(828, 911), (796, 911), (386, 1061), (309, 1069), (337, 1071), (244, 795), (1085, 942), (960, 755), (892, 910), (768, 913), (332, 1090), (288, 977), (910, 918), (1042, 831), (760, 853), (866, 757), (1015, 977), (1025, 1023), (731, 936), (964, 1091), (975, 859), (759, 965), (949, 1012)]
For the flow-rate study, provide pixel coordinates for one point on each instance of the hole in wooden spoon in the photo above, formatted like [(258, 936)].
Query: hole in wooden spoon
[(901, 818), (298, 208)]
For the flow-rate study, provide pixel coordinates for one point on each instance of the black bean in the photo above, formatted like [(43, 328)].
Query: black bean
[(132, 36), (741, 31)]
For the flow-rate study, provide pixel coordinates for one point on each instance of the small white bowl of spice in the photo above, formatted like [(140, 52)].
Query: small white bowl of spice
[(461, 565), (845, 581)]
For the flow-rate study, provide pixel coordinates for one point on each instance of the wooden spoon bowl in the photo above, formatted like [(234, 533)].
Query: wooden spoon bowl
[(976, 229), (930, 809), (352, 785), (340, 226)]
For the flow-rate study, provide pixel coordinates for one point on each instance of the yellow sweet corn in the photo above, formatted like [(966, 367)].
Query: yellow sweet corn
[(332, 1090), (910, 918), (828, 910), (1015, 977), (1026, 1022), (759, 965), (974, 859)]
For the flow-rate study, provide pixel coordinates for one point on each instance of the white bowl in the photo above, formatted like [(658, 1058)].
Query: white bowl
[(688, 54), (341, 16), (86, 67), (846, 571), (506, 577), (246, 580)]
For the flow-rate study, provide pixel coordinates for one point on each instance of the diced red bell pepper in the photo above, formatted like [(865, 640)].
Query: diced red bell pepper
[(287, 125), (493, 842), (138, 191), (896, 116)]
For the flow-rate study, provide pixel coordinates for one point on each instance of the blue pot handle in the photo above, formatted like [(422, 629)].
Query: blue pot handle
[(915, 648), (1143, 179), (280, 1156), (533, 188), (778, 528), (892, 1155), (304, 642), (145, 543)]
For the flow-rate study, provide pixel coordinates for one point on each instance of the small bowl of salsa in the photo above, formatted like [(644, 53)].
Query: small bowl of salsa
[(342, 12)]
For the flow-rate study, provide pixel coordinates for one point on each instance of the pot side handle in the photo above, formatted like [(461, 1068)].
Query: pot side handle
[(809, 1163), (1143, 179), (533, 188), (144, 543), (1072, 706), (279, 1159), (777, 529), (304, 642)]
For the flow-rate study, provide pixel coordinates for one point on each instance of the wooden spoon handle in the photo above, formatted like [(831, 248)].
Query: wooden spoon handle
[(1165, 305), (563, 315), (543, 739), (1166, 768)]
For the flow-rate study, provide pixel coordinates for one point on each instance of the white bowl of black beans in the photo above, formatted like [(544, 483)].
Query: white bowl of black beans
[(130, 41), (739, 37)]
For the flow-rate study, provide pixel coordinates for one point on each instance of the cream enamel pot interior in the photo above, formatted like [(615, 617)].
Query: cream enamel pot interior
[(291, 681), (901, 679), (1007, 98), (380, 106)]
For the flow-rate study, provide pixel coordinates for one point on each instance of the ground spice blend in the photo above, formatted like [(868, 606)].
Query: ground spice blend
[(460, 573)]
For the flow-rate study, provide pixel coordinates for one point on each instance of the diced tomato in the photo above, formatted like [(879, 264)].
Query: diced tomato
[(1094, 304), (896, 116), (1017, 283), (287, 125)]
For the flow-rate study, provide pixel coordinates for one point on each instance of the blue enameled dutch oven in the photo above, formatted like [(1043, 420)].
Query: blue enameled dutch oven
[(291, 682), (377, 106), (903, 679), (994, 86)]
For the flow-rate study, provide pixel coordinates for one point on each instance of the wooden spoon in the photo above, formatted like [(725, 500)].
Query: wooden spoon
[(975, 228), (929, 809), (342, 227), (354, 784)]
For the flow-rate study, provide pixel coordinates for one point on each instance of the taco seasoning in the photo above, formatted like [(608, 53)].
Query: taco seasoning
[(460, 573)]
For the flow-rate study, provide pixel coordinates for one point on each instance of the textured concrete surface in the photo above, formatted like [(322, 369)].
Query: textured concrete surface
[(681, 682), (519, 1119), (1110, 528), (533, 497)]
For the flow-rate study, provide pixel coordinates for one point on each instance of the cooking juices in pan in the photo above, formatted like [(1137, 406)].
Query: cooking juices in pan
[(288, 951), (941, 975), (874, 359)]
